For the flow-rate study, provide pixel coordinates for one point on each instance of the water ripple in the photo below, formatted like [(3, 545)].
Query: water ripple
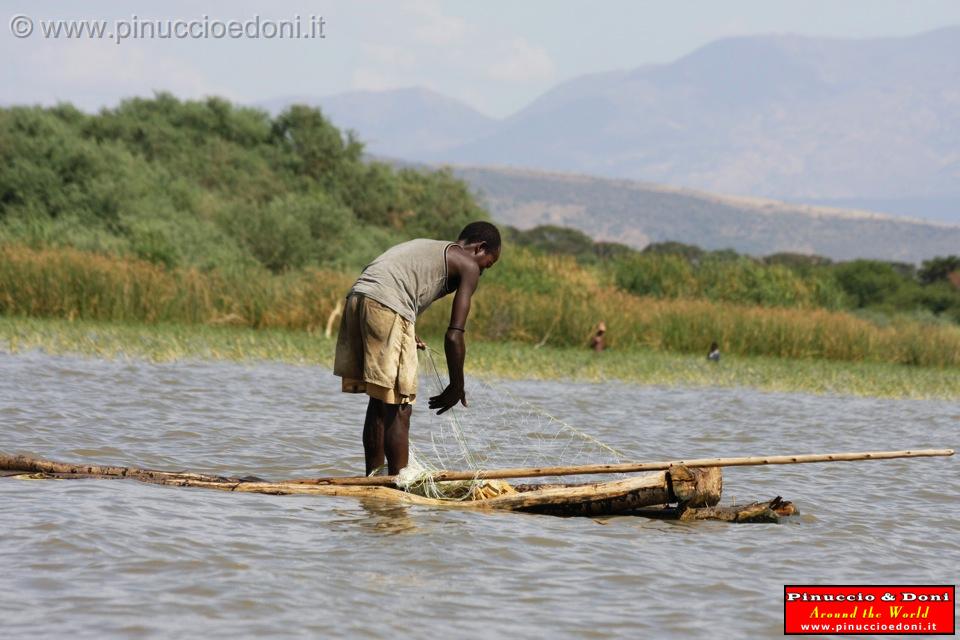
[(116, 558)]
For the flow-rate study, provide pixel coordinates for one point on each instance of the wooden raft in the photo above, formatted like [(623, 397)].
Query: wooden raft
[(691, 490), (692, 485)]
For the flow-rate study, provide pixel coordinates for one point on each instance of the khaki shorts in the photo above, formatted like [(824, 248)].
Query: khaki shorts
[(376, 352)]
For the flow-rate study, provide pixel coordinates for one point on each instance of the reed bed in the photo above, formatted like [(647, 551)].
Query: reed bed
[(568, 318), (538, 300), (501, 359)]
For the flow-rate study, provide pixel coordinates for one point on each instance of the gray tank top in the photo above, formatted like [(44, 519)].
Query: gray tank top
[(408, 277)]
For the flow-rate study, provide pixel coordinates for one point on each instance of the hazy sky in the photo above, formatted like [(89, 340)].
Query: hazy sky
[(496, 56)]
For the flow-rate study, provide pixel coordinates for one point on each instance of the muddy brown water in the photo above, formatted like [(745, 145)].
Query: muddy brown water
[(123, 559)]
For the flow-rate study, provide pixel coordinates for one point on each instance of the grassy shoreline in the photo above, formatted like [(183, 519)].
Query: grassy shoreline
[(530, 299), (510, 360)]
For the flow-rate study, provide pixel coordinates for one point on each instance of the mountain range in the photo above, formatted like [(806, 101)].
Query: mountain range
[(869, 123)]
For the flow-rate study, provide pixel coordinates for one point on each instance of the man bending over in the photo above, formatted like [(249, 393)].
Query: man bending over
[(377, 344)]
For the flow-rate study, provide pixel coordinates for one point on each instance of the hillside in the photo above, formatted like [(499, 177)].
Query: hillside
[(638, 213)]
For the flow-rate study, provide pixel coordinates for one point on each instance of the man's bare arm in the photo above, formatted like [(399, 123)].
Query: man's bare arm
[(454, 344)]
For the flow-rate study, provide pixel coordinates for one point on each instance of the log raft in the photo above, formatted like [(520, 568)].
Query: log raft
[(694, 486), (681, 486)]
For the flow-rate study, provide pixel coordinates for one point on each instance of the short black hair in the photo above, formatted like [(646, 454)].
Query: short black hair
[(481, 231)]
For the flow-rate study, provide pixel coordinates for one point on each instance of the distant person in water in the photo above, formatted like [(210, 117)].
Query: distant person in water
[(598, 341), (714, 354), (377, 344)]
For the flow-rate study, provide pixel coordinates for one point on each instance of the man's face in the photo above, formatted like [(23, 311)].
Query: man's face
[(488, 259)]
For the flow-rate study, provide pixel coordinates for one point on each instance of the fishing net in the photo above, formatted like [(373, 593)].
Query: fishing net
[(499, 430)]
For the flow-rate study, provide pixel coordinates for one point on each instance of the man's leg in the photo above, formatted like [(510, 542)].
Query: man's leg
[(373, 435), (397, 436)]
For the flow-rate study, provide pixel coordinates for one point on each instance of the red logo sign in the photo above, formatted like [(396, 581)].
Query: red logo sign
[(874, 609)]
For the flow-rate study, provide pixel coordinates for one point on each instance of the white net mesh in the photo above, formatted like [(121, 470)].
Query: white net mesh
[(499, 430)]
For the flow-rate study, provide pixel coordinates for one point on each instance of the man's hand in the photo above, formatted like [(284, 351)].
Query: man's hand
[(449, 397), (421, 345)]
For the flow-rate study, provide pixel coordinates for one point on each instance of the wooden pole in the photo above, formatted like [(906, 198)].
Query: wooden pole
[(632, 467), (24, 463), (39, 465)]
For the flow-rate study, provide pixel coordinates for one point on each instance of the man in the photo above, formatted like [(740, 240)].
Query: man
[(598, 342), (377, 344)]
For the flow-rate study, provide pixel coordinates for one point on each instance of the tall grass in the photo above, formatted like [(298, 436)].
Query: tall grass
[(562, 304), (558, 305), (71, 284), (689, 326), (739, 280)]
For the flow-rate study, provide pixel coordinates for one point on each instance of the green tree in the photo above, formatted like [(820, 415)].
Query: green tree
[(688, 251), (869, 282), (210, 184), (555, 240), (938, 269)]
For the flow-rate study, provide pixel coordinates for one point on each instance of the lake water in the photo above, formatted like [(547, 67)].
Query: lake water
[(95, 558)]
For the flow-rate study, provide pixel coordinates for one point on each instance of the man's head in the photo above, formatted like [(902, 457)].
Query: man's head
[(482, 240)]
